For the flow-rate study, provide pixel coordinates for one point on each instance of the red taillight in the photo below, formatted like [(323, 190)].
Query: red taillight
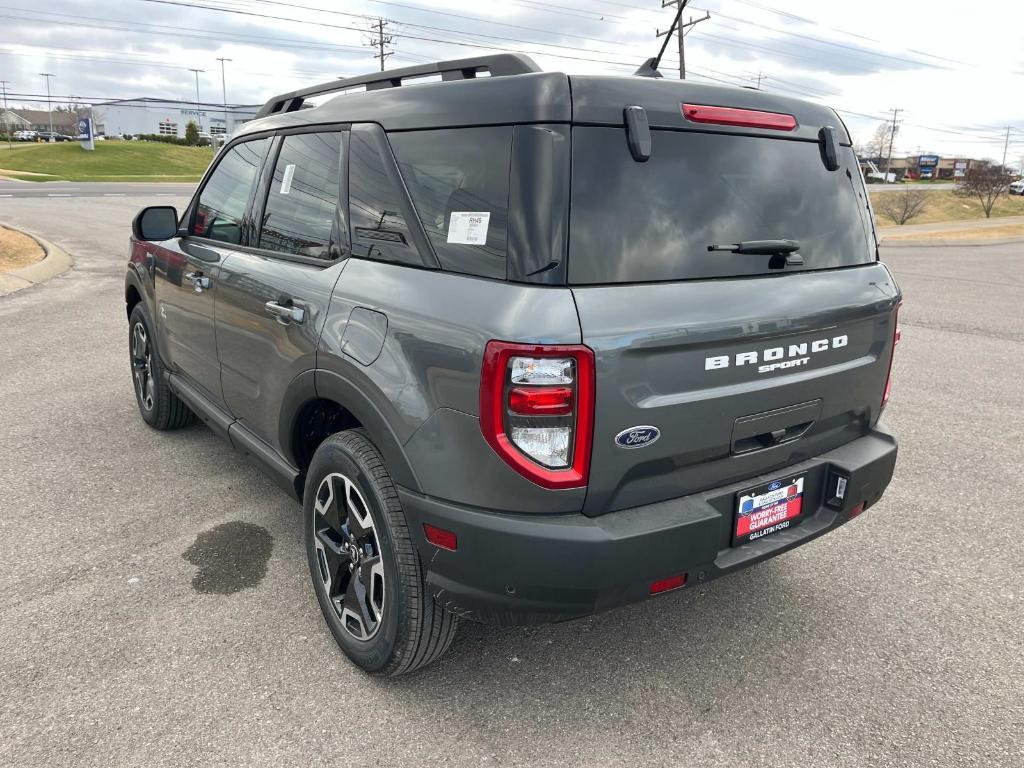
[(747, 118), (537, 410), (540, 401), (672, 582), (897, 334), (439, 537), (856, 510)]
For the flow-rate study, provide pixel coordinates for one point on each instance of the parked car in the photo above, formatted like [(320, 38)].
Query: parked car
[(54, 136), (1017, 187), (25, 135), (526, 346)]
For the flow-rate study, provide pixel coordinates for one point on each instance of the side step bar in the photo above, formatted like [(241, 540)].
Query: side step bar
[(241, 439)]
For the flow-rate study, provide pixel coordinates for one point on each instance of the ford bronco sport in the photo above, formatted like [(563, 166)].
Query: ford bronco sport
[(527, 345)]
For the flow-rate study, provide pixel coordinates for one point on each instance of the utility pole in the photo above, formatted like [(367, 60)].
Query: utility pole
[(6, 128), (381, 41), (1006, 146), (760, 76), (680, 31), (199, 118), (49, 106), (892, 140), (224, 93)]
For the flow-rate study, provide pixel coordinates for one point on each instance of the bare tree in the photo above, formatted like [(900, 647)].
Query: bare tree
[(904, 205), (985, 181), (878, 145)]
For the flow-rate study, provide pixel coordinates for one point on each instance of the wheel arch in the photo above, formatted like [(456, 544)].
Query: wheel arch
[(334, 401)]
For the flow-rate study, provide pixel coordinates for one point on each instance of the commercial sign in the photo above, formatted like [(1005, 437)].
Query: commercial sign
[(959, 169), (927, 161), (85, 133)]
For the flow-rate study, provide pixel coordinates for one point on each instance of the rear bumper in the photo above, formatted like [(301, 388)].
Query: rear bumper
[(533, 569)]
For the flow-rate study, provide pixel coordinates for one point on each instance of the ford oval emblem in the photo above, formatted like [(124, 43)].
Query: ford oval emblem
[(775, 486), (637, 437)]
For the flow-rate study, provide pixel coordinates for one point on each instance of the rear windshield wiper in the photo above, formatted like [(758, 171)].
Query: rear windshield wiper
[(759, 247), (783, 252)]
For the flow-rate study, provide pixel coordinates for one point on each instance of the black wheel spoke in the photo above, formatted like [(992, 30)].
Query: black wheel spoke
[(329, 499)]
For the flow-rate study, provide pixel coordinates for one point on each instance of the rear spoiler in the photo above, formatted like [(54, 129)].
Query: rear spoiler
[(496, 65)]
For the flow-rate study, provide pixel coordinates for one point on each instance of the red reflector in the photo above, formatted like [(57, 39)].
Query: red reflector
[(540, 401), (439, 537), (749, 118), (856, 510), (672, 582)]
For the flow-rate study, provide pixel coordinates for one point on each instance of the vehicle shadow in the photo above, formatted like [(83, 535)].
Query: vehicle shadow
[(694, 647)]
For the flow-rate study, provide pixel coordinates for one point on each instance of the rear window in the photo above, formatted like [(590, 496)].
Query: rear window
[(653, 221)]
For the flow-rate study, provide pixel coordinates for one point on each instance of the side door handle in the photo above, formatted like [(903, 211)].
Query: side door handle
[(286, 313), (199, 283)]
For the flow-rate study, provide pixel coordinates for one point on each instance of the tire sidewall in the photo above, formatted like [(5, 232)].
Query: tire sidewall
[(373, 654)]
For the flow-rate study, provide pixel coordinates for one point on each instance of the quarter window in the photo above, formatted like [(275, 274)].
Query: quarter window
[(458, 181), (224, 199), (300, 215)]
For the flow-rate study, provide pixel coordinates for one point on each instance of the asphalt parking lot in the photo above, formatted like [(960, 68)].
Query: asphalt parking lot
[(896, 641)]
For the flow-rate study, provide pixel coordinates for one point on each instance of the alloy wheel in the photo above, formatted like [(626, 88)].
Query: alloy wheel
[(142, 367), (348, 556)]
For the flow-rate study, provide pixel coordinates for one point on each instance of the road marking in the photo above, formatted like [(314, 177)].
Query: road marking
[(6, 195), (113, 194), (165, 194), (58, 195)]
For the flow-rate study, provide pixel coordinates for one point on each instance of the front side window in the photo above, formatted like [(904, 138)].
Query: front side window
[(299, 217), (458, 180), (224, 199)]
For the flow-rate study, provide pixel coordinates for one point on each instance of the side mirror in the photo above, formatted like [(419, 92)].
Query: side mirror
[(156, 223)]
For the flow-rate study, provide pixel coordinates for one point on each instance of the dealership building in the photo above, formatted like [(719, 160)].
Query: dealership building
[(167, 117)]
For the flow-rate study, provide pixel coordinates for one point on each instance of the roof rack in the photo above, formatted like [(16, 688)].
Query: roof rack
[(496, 65)]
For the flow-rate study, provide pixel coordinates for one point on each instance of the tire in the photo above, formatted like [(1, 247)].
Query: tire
[(158, 405), (363, 563)]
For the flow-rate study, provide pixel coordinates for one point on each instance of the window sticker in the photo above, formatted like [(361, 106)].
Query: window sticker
[(286, 182), (469, 228)]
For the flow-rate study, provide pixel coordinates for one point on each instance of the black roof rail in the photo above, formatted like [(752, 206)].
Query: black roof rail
[(496, 65)]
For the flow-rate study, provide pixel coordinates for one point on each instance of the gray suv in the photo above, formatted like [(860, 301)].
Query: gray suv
[(526, 346)]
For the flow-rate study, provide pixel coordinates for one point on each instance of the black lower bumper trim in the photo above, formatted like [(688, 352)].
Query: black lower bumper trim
[(532, 569)]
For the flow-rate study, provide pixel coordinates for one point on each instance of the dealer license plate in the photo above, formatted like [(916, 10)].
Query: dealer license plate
[(768, 509)]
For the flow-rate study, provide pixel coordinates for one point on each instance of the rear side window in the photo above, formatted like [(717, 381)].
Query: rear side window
[(379, 228), (458, 180), (640, 222), (225, 198), (299, 217)]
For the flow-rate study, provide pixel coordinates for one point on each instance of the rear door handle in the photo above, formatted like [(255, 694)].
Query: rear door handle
[(199, 283), (286, 313)]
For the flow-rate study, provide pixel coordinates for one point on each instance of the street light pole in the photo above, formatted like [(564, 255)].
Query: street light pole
[(49, 106), (224, 93), (199, 117)]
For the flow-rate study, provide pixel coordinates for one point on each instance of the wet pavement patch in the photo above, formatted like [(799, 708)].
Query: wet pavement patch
[(231, 557)]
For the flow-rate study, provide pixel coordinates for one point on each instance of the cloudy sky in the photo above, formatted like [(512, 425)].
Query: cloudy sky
[(956, 71)]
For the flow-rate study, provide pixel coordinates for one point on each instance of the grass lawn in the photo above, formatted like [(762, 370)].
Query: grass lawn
[(111, 161), (946, 206)]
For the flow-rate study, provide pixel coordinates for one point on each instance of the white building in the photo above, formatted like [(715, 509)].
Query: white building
[(167, 117)]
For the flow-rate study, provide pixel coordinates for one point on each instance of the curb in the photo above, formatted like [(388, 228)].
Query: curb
[(56, 262), (935, 242)]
